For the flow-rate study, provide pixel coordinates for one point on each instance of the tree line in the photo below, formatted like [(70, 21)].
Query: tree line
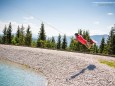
[(22, 38)]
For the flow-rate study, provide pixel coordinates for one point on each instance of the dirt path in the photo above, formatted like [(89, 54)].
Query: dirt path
[(63, 68)]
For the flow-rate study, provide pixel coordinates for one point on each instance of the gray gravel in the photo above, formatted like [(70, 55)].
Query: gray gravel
[(63, 68)]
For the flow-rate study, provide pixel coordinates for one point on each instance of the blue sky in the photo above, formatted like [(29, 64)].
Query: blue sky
[(65, 15)]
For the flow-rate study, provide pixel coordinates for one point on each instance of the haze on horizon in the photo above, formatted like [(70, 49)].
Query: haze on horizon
[(59, 16)]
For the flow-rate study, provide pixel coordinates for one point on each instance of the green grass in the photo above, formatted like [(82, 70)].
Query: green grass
[(109, 63)]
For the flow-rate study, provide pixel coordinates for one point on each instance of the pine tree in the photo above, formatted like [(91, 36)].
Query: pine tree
[(80, 31), (94, 49), (33, 43), (48, 43), (108, 45), (0, 39), (13, 40), (53, 43), (105, 51), (64, 43), (4, 38), (73, 45), (41, 37), (22, 36), (18, 35), (28, 37), (53, 39), (87, 35), (110, 41), (59, 42), (113, 45), (102, 45), (9, 34)]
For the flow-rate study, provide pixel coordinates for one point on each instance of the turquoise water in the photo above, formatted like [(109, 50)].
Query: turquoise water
[(17, 76)]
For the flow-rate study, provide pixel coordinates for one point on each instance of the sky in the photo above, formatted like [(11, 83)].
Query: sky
[(59, 16)]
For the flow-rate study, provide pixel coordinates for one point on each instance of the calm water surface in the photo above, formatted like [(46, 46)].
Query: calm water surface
[(11, 75)]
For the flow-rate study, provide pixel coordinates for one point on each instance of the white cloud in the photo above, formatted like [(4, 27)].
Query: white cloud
[(14, 25), (98, 31), (110, 14), (51, 31), (96, 23), (109, 27), (35, 28), (104, 3), (29, 18)]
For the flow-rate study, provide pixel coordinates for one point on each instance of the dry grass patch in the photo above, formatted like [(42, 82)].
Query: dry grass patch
[(109, 63)]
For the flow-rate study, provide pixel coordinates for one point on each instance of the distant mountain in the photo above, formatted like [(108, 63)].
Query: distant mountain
[(98, 38)]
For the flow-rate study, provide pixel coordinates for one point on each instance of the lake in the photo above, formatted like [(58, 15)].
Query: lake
[(13, 75)]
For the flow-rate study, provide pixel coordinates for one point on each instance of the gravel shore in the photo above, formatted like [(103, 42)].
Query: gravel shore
[(63, 68)]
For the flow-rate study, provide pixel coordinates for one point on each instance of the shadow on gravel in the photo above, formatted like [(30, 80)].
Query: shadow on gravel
[(90, 67)]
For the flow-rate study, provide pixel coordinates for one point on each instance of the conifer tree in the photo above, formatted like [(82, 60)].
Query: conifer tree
[(113, 45), (102, 45), (111, 41), (59, 42), (64, 43), (0, 39), (18, 35), (53, 39), (33, 43), (80, 31), (48, 43), (41, 37), (28, 37), (9, 33), (74, 45), (105, 51), (87, 35), (13, 40), (53, 43), (4, 38), (94, 49), (22, 36)]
